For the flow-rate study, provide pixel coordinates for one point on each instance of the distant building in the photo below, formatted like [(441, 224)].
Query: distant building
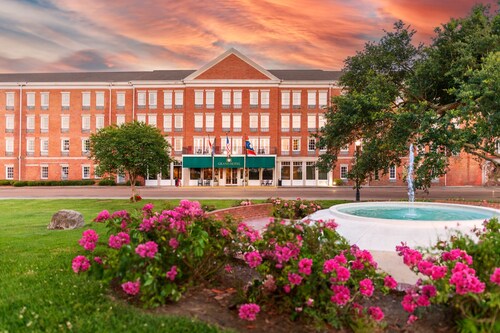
[(46, 120)]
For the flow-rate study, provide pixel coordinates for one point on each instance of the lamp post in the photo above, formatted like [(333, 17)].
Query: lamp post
[(358, 185)]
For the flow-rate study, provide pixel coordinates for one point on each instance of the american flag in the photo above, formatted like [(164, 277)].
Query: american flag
[(228, 146)]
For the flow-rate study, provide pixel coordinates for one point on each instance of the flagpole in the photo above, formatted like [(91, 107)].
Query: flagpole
[(244, 168), (213, 166)]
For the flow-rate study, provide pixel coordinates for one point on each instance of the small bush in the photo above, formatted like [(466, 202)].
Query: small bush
[(5, 182), (107, 182), (293, 209), (137, 183), (20, 183), (338, 182)]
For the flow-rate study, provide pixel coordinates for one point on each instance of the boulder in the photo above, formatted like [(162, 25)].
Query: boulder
[(66, 219)]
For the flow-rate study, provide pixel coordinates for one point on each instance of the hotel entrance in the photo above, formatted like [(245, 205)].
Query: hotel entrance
[(232, 176)]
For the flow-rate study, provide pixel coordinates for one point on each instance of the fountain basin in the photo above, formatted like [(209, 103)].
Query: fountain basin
[(381, 226)]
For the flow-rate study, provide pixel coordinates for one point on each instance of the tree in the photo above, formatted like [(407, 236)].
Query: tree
[(135, 149), (444, 98)]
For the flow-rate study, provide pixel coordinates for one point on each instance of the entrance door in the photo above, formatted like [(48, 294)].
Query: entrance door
[(231, 176)]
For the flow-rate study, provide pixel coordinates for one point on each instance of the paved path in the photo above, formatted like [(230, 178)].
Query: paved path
[(344, 193)]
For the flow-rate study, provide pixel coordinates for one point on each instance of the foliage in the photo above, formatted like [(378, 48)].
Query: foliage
[(5, 182), (444, 98), (338, 182), (107, 182), (135, 149), (312, 272), (155, 256), (293, 209), (462, 272), (83, 182)]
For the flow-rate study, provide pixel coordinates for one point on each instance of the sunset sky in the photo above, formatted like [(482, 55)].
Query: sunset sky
[(117, 35)]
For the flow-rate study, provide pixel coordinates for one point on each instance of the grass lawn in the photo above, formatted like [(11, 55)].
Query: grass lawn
[(40, 293)]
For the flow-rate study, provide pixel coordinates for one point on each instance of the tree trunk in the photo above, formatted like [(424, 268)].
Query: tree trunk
[(132, 179)]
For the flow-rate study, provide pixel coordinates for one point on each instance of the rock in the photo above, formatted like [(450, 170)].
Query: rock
[(66, 219)]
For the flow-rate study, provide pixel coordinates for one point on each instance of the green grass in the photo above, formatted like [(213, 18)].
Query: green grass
[(40, 293)]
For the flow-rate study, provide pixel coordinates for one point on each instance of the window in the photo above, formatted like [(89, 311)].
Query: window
[(44, 100), (120, 100), (198, 145), (9, 146), (179, 99), (30, 146), (310, 171), (85, 172), (264, 99), (311, 122), (254, 122), (226, 99), (285, 99), (323, 96), (44, 123), (296, 122), (64, 172), (64, 124), (285, 146), (9, 172), (311, 99), (236, 146), (198, 122), (44, 172), (141, 118), (296, 144), (253, 173), (263, 146), (198, 99), (30, 100), (209, 122), (141, 99), (153, 100), (285, 122), (178, 144), (321, 121), (285, 170), (255, 143), (237, 122), (99, 122), (210, 99), (178, 122), (120, 119), (343, 171), (311, 144), (167, 123), (85, 101), (237, 99), (167, 99), (85, 124), (9, 123), (297, 170), (99, 100), (297, 99), (65, 145), (392, 172), (9, 101), (226, 122), (254, 99), (152, 120), (44, 146), (65, 100), (264, 122), (30, 124), (85, 145), (344, 150)]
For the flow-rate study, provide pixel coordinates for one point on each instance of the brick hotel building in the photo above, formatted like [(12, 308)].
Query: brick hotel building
[(46, 120)]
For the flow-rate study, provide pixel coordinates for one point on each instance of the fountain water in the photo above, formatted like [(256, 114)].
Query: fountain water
[(411, 190)]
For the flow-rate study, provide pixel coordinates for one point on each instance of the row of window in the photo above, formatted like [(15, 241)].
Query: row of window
[(344, 170), (44, 172), (294, 171), (175, 98)]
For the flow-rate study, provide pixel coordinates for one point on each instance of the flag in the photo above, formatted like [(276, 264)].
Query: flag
[(228, 147), (249, 148)]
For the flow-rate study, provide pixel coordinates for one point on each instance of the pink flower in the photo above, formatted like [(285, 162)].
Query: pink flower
[(310, 302), (456, 254), (329, 266), (305, 266), (80, 264), (411, 319), (429, 290), (343, 274), (131, 288), (286, 288), (330, 224), (408, 303), (410, 257), (341, 294), (98, 260), (389, 282), (147, 207), (249, 311), (253, 259), (425, 267), (172, 273), (173, 243), (89, 240), (224, 232), (438, 272), (116, 242), (366, 287), (495, 277), (294, 278), (102, 216), (269, 284), (147, 249), (376, 313)]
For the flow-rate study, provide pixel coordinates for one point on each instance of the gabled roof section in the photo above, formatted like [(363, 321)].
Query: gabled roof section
[(232, 65)]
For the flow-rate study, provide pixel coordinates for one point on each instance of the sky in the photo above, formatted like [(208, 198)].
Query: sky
[(128, 35)]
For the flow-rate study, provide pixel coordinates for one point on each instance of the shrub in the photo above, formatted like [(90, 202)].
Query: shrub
[(135, 198), (83, 182), (107, 182), (462, 273), (293, 209), (20, 183), (338, 182), (5, 182)]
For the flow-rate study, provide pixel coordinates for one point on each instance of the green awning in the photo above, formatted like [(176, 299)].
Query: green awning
[(221, 162)]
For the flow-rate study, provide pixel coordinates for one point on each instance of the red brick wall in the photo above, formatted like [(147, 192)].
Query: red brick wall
[(232, 67)]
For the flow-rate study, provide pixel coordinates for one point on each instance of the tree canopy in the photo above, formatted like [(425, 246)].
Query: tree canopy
[(134, 149), (444, 98)]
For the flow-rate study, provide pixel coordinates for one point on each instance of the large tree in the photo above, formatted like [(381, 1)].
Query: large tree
[(444, 98), (134, 149)]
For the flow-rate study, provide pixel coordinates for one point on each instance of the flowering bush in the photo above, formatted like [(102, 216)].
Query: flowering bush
[(293, 209), (155, 255), (309, 270), (135, 198), (461, 272)]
